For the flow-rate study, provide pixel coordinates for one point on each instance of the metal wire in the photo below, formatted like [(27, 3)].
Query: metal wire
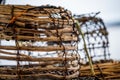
[(96, 36)]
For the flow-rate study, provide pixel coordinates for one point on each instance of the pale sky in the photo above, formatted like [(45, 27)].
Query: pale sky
[(110, 9)]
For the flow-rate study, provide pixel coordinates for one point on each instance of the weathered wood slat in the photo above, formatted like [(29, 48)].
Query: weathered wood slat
[(37, 59), (25, 7), (64, 38), (35, 48), (42, 63), (7, 14), (35, 19), (40, 21), (67, 29), (36, 38), (47, 75), (48, 69), (38, 69), (11, 53)]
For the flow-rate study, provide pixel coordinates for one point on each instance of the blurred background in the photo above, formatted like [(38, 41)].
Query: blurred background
[(110, 13)]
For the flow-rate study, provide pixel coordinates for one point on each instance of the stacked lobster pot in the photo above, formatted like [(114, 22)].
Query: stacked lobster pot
[(96, 37), (37, 43)]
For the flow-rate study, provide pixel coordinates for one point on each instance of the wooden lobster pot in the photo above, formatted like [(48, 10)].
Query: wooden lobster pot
[(41, 41)]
